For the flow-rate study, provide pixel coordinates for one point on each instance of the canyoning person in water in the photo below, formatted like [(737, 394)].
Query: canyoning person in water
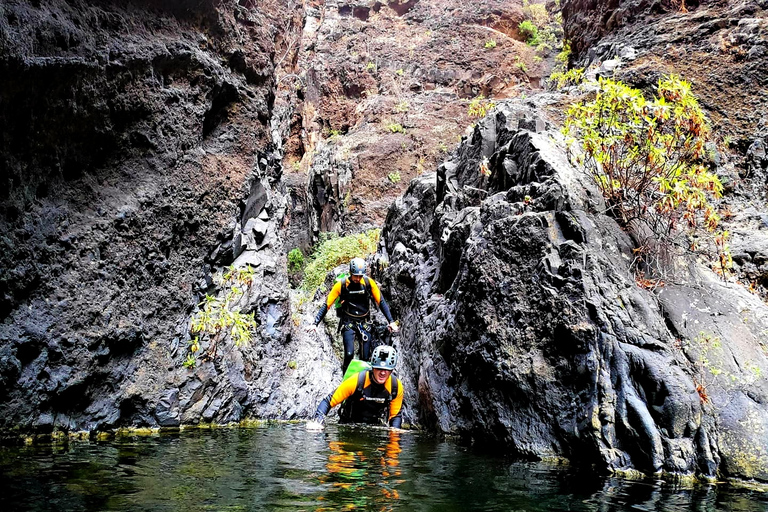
[(355, 294), (372, 396)]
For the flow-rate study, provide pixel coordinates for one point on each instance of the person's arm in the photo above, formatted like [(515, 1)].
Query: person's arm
[(332, 296), (383, 306), (344, 391), (396, 405)]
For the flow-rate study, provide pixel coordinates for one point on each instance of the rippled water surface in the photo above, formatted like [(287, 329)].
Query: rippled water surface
[(283, 467)]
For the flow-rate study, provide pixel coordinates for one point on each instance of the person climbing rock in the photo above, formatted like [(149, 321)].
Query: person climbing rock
[(372, 396), (355, 294)]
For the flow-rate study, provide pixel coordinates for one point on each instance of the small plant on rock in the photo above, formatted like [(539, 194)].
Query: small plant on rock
[(219, 317), (295, 260), (530, 32), (395, 128), (402, 107), (560, 79), (394, 177), (490, 44), (648, 159), (479, 106), (536, 13)]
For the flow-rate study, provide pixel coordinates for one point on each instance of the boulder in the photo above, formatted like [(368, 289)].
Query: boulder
[(526, 330)]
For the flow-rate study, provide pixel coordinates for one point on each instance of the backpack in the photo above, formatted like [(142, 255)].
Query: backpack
[(355, 366), (342, 278), (345, 412)]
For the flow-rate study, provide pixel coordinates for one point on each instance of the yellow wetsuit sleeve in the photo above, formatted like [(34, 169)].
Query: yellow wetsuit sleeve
[(333, 295), (397, 403), (345, 390), (375, 292)]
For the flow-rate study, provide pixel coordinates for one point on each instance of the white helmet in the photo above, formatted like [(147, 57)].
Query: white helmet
[(384, 357), (357, 267)]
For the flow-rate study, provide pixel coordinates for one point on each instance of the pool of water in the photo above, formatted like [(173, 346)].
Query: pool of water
[(284, 467)]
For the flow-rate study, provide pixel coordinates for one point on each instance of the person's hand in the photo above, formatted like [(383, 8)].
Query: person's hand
[(314, 426), (393, 327)]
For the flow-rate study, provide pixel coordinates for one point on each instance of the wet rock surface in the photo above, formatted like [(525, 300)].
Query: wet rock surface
[(525, 329)]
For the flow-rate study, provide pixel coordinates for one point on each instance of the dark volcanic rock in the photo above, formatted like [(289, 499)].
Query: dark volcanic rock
[(134, 153), (525, 329)]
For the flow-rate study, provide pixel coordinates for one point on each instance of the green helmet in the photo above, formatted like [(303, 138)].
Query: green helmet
[(384, 357), (357, 267)]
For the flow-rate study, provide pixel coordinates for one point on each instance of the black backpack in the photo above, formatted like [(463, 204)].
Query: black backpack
[(345, 412)]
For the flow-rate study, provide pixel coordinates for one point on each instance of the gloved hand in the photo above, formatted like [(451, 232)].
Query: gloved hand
[(393, 327)]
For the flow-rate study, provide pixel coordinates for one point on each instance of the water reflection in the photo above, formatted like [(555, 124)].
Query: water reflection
[(284, 467), (361, 474)]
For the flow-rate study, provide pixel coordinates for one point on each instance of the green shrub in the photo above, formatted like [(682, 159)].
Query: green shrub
[(490, 44), (536, 13), (564, 55), (295, 260), (530, 32), (394, 177), (395, 128), (219, 317), (332, 251), (558, 79), (648, 158), (479, 106)]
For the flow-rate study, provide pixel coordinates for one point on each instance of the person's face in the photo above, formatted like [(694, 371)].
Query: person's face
[(356, 279), (381, 375)]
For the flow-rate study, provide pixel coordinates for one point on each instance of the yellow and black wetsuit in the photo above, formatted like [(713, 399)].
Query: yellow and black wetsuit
[(355, 314), (373, 404)]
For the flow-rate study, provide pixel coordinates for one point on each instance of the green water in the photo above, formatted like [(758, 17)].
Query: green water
[(283, 467)]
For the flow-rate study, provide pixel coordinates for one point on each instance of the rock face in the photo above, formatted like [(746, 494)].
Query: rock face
[(385, 89), (135, 160), (525, 330)]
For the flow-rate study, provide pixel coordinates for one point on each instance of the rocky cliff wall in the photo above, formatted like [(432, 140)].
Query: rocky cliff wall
[(385, 91), (136, 159), (525, 330)]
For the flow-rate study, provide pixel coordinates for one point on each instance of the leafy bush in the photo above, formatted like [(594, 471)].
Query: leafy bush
[(559, 79), (395, 128), (536, 13), (333, 251), (394, 177), (221, 316), (295, 260), (490, 44), (648, 160), (564, 56), (479, 107), (530, 32)]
